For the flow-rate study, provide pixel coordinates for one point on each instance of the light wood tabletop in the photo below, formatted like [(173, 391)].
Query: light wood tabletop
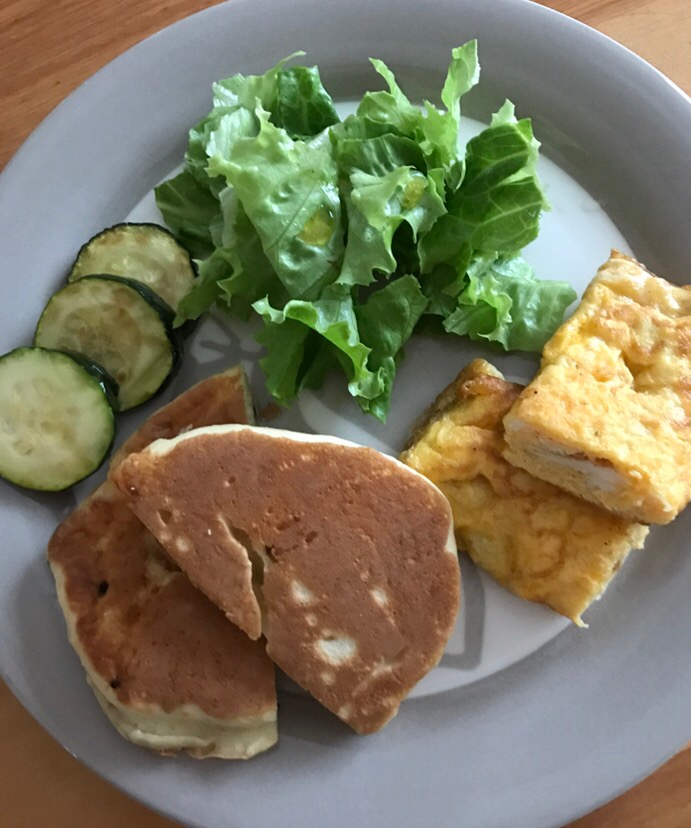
[(48, 49)]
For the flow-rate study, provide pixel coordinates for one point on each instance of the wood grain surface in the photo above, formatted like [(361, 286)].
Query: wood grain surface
[(47, 49)]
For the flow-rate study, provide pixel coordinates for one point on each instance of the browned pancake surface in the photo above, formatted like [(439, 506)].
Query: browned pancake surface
[(221, 398), (151, 641), (361, 591), (148, 633)]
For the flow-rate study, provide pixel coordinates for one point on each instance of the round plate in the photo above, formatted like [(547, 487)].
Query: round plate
[(570, 723)]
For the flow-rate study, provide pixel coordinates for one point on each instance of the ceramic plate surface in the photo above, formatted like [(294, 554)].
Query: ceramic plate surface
[(526, 721)]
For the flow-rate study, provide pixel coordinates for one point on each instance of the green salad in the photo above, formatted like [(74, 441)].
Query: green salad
[(344, 236)]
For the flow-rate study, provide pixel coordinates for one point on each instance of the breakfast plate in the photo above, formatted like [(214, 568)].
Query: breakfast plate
[(526, 721)]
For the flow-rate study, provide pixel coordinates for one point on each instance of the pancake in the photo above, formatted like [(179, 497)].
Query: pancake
[(540, 542), (167, 667), (356, 579), (608, 417), (221, 398)]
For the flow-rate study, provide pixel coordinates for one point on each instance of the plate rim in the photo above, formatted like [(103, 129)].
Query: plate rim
[(63, 110)]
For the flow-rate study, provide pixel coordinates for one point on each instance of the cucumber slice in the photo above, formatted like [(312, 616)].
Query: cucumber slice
[(120, 324), (56, 420), (146, 253)]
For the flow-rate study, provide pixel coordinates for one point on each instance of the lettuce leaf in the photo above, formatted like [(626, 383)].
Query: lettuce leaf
[(438, 132), (504, 302), (284, 344), (366, 340), (386, 321), (333, 317), (303, 107), (190, 210), (377, 206), (247, 90), (378, 156), (289, 190), (251, 276), (344, 237), (500, 200), (206, 291), (391, 108)]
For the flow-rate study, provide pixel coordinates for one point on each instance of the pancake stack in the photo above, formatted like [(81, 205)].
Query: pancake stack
[(167, 668), (342, 557)]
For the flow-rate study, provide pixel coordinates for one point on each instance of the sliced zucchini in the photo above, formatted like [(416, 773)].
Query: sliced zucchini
[(106, 381), (56, 419), (119, 323), (146, 253)]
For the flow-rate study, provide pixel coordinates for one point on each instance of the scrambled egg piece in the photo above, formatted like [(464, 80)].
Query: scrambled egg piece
[(608, 417), (539, 541)]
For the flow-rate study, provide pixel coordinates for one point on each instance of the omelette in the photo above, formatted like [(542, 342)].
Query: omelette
[(166, 666), (540, 542), (343, 557), (608, 417)]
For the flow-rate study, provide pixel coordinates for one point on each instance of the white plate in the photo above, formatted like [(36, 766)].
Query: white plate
[(525, 723)]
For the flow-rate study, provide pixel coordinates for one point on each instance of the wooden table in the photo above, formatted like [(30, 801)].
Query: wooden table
[(47, 49)]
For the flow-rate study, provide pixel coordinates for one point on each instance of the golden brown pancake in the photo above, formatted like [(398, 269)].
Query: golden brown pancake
[(352, 553), (167, 667), (608, 417), (541, 542), (221, 398)]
